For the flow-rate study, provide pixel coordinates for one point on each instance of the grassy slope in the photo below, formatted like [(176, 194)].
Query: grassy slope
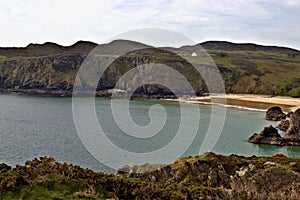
[(259, 72)]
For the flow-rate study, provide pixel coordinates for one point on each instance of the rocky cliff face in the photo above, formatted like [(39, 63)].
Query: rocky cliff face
[(294, 127), (57, 72), (47, 73), (246, 68)]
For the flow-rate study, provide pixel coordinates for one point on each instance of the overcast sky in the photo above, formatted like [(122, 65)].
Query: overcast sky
[(269, 22)]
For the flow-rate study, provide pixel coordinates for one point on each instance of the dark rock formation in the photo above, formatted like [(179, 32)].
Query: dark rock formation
[(270, 135), (269, 132), (284, 125), (294, 128), (275, 114), (289, 114)]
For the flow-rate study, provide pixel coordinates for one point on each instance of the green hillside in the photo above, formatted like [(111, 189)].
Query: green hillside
[(245, 68)]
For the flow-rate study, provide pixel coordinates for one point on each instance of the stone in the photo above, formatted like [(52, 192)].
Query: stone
[(269, 135), (275, 114), (269, 132), (284, 125), (294, 127), (269, 163), (289, 115)]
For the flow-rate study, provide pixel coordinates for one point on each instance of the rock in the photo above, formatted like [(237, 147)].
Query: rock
[(123, 170), (269, 132), (284, 125), (278, 155), (294, 127), (242, 171), (252, 167), (275, 114), (212, 178), (269, 163), (289, 115), (269, 135), (4, 167), (224, 177), (293, 164)]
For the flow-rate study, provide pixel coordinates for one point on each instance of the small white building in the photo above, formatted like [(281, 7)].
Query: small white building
[(194, 54)]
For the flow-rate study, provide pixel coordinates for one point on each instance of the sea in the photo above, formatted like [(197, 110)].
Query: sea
[(37, 126)]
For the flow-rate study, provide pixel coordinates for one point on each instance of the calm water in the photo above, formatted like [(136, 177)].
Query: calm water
[(32, 126)]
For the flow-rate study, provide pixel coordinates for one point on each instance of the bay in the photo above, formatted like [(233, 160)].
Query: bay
[(35, 126)]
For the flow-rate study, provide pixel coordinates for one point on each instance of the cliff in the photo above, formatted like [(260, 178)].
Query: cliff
[(246, 68)]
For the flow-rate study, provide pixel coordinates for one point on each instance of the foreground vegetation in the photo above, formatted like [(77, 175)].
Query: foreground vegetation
[(209, 176)]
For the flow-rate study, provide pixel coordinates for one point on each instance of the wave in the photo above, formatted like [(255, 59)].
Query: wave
[(225, 105)]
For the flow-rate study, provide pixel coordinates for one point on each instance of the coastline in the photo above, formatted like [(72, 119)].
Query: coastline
[(250, 101), (247, 101)]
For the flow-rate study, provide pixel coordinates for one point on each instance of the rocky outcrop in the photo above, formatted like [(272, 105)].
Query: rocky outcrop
[(284, 125), (270, 135), (233, 173), (289, 114), (275, 114), (294, 128)]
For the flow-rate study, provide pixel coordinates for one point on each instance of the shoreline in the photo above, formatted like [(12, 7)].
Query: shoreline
[(248, 101)]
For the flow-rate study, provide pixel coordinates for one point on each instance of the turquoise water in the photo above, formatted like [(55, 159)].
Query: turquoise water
[(34, 126)]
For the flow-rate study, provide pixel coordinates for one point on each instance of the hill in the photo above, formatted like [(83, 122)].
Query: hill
[(246, 68)]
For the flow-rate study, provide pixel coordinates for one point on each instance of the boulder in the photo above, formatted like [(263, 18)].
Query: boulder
[(269, 135), (269, 132), (289, 115), (284, 125), (294, 127), (275, 114)]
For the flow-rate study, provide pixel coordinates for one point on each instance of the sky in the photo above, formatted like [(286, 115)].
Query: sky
[(267, 22)]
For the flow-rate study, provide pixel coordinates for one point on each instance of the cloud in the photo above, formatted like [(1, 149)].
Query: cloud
[(65, 22)]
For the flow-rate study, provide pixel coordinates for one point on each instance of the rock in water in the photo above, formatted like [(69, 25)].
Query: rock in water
[(269, 132), (275, 114), (294, 128), (284, 125), (269, 135), (289, 115)]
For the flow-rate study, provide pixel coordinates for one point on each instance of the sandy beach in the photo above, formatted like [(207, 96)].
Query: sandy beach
[(249, 101)]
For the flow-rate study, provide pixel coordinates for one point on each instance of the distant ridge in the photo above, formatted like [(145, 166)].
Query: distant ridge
[(50, 48), (229, 46), (47, 49)]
